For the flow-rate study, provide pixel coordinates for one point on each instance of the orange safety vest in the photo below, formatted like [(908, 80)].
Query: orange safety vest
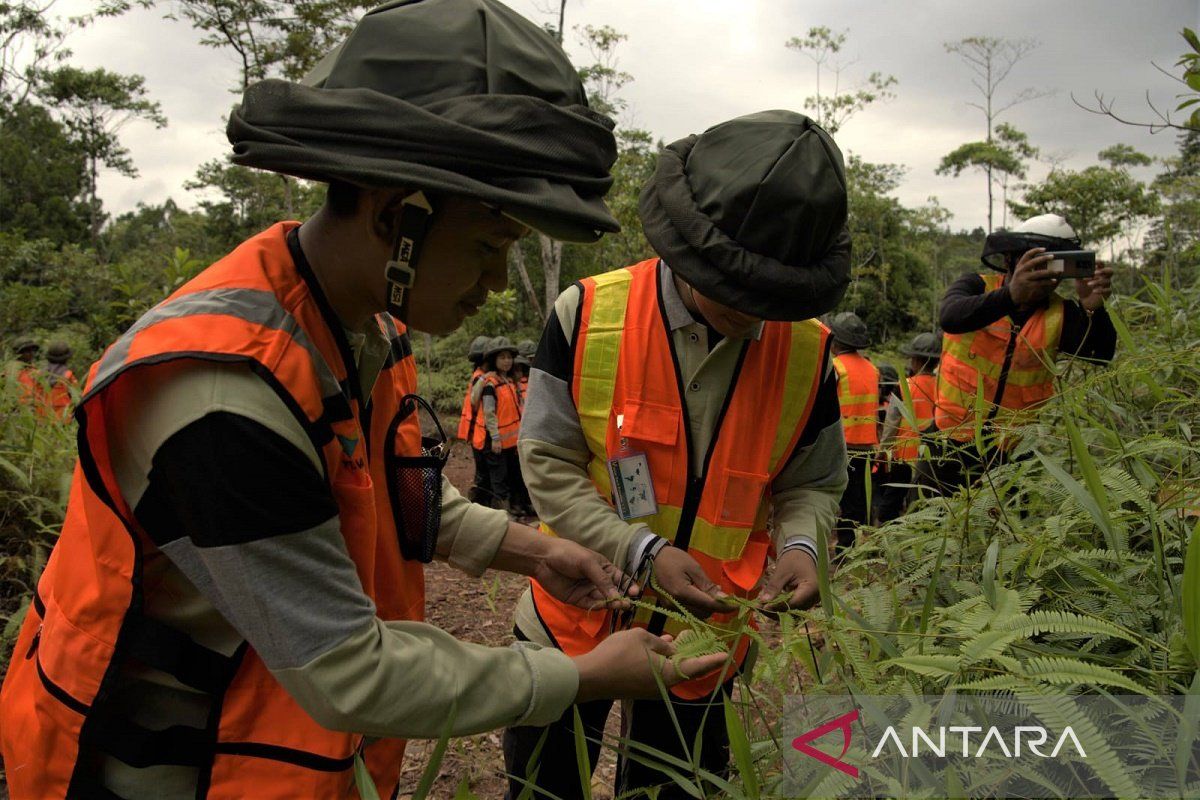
[(470, 416), (1010, 369), (922, 389), (858, 394), (86, 622), (60, 392), (508, 413), (624, 368)]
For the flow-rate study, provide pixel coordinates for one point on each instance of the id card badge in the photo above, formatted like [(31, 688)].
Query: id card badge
[(633, 489)]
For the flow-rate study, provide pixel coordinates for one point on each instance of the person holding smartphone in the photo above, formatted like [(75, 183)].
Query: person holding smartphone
[(1007, 327)]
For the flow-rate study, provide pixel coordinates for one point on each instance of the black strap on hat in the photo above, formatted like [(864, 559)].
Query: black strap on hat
[(401, 270)]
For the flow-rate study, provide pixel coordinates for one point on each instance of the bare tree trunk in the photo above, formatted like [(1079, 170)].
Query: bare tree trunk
[(989, 180), (562, 13), (288, 210), (551, 269), (517, 256)]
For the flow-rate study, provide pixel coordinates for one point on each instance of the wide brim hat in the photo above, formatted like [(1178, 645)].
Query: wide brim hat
[(752, 214), (26, 345), (477, 347), (500, 344), (848, 329), (923, 345), (463, 97)]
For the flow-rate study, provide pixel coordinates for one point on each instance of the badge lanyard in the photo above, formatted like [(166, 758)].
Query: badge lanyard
[(632, 485)]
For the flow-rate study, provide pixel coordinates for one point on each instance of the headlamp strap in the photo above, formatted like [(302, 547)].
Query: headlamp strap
[(401, 270)]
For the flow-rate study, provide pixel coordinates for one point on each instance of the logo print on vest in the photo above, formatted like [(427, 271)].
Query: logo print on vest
[(349, 445)]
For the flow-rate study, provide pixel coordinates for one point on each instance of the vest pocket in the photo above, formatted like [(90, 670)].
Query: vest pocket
[(740, 498), (654, 429)]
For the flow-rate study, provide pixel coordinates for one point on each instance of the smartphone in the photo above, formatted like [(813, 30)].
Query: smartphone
[(1072, 263)]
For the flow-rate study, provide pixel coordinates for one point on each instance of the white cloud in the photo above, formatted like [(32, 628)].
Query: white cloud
[(698, 62)]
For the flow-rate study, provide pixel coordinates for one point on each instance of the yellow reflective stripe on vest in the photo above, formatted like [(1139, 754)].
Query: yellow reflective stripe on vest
[(601, 351), (803, 362)]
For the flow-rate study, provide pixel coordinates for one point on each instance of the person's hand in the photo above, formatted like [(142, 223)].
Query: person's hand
[(679, 576), (497, 448), (792, 585), (1093, 290), (579, 576), (1031, 282), (623, 666)]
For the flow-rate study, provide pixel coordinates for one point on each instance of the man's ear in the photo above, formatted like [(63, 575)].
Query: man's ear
[(384, 209)]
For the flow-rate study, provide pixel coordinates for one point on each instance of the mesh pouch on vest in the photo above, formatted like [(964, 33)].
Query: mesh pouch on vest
[(415, 487)]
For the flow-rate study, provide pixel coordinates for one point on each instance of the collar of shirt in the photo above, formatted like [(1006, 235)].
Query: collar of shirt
[(678, 315), (370, 349)]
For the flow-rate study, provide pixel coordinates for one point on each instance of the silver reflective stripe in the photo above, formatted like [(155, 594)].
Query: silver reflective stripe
[(256, 306)]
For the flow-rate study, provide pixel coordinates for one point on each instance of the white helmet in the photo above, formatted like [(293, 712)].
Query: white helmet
[(1050, 231), (1047, 225)]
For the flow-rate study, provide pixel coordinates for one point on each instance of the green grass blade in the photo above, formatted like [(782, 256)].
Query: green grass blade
[(581, 757), (435, 759), (363, 780), (1190, 589), (739, 743)]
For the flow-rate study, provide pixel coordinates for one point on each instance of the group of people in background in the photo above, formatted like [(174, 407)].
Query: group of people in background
[(1000, 335), (491, 421), (48, 387)]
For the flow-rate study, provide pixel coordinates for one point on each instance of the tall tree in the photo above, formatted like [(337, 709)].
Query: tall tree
[(991, 61), (42, 176), (833, 109), (96, 104), (1100, 202), (33, 39)]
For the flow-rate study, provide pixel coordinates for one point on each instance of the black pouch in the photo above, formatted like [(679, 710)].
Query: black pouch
[(415, 485)]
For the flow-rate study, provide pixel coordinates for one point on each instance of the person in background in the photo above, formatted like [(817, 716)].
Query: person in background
[(29, 376), (697, 387), (500, 400), (472, 417), (526, 348), (62, 380), (901, 439), (858, 395), (1005, 329), (889, 381)]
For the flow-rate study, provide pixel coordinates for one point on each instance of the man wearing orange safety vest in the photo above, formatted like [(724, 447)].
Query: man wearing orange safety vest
[(233, 607), (499, 396), (34, 390), (471, 417), (61, 379), (1004, 331), (677, 405), (858, 395), (908, 418)]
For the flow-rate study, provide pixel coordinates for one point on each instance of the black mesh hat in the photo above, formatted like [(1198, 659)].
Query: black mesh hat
[(752, 214), (463, 97)]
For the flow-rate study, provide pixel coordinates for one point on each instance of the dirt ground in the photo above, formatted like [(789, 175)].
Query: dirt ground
[(476, 610)]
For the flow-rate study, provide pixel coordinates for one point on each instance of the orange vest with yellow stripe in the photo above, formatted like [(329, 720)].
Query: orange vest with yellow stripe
[(1008, 370), (86, 624), (858, 395), (625, 368), (508, 413), (471, 414), (919, 406)]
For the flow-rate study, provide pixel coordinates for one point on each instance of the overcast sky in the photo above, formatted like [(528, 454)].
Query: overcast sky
[(699, 62)]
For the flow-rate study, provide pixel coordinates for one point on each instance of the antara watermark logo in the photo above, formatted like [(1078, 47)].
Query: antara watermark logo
[(971, 741)]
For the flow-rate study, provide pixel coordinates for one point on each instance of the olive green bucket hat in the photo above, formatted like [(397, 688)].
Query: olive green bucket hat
[(849, 330), (924, 345), (463, 97), (752, 214)]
